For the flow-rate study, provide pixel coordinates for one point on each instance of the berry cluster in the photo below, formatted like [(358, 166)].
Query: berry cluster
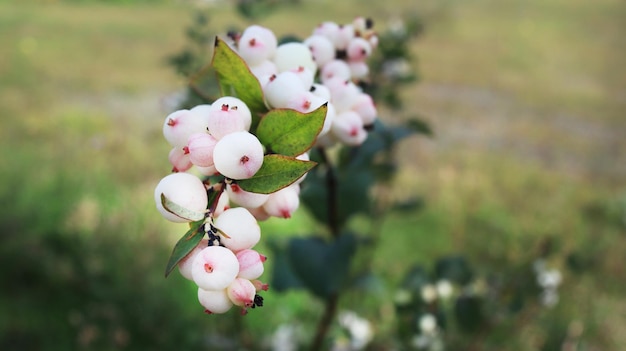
[(326, 67), (218, 141)]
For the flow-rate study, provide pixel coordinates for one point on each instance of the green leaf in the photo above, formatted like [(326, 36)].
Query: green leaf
[(277, 172), (179, 210), (322, 266), (235, 78), (289, 132), (185, 245)]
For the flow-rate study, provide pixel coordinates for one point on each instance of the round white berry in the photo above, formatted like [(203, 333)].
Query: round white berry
[(364, 106), (257, 44), (358, 49), (335, 69), (245, 198), (293, 55), (184, 189), (348, 128), (238, 155), (214, 268), (240, 228), (282, 88), (179, 125), (215, 301), (321, 48), (283, 203)]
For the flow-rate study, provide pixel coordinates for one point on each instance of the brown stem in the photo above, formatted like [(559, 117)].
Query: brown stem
[(324, 324)]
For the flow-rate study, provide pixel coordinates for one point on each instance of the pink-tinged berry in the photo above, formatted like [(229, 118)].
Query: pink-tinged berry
[(335, 69), (327, 29), (245, 198), (293, 55), (179, 125), (241, 292), (283, 203), (179, 159), (228, 115), (348, 128), (282, 88), (184, 266), (238, 155), (322, 49), (343, 37), (250, 264), (365, 107), (214, 268), (214, 301), (257, 44), (240, 228), (200, 147), (223, 204), (358, 49), (343, 93), (184, 189), (259, 213), (305, 102)]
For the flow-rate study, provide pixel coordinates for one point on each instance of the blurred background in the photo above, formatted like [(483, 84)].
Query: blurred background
[(527, 162)]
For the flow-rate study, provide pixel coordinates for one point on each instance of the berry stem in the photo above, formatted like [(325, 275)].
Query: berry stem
[(331, 188), (324, 324)]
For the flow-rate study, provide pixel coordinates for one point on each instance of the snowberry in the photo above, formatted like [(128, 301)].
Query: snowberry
[(343, 93), (282, 88), (245, 198), (250, 264), (358, 49), (184, 189), (293, 55), (321, 91), (262, 71), (343, 36), (259, 213), (214, 268), (306, 76), (283, 203), (348, 128), (335, 69), (240, 228), (359, 70), (364, 106), (179, 125), (228, 115), (238, 155), (321, 48), (305, 102), (241, 292), (257, 44), (208, 170), (214, 301), (179, 159), (184, 266), (200, 147)]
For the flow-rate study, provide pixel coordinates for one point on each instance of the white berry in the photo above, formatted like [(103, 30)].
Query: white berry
[(240, 228), (214, 268), (184, 189), (238, 155)]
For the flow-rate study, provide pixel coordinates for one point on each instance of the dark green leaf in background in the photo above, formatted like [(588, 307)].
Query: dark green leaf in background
[(322, 266)]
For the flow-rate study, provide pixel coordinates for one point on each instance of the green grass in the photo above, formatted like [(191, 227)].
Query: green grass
[(525, 97)]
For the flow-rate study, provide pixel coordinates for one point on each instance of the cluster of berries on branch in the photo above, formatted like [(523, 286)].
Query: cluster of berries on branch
[(215, 147)]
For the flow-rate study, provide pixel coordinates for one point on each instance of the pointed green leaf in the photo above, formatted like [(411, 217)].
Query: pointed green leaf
[(179, 210), (277, 172), (289, 132), (185, 245), (235, 78)]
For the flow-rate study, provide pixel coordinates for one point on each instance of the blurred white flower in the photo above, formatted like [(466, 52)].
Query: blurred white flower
[(428, 324), (429, 293), (360, 329), (444, 288)]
